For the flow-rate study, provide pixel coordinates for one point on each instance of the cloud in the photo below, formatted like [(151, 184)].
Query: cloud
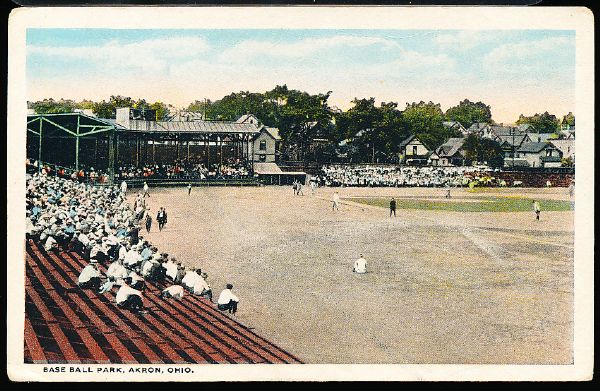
[(250, 49), (463, 40), (527, 50), (147, 55)]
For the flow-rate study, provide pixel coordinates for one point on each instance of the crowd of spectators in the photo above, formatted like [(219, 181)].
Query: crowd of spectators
[(185, 170), (395, 176), (83, 174), (98, 223)]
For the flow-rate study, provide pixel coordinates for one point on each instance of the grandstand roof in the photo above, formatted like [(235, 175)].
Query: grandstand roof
[(190, 127), (66, 324)]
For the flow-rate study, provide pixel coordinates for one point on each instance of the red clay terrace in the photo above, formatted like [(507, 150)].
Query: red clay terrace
[(65, 324)]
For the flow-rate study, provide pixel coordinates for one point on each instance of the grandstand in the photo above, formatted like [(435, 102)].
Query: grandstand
[(65, 324)]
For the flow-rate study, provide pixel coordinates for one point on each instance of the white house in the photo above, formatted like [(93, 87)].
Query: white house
[(413, 151), (266, 145), (566, 146), (540, 154)]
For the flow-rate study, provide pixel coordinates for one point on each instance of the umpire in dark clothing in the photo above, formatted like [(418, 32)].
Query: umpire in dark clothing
[(393, 207)]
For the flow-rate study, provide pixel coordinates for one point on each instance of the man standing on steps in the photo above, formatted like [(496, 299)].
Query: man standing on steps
[(393, 207)]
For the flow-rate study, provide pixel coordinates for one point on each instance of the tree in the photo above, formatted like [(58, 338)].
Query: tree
[(109, 109), (568, 121), (542, 123), (162, 110), (468, 113), (373, 130), (482, 150), (51, 106), (425, 120)]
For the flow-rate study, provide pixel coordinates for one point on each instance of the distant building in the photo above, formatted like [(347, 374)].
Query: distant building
[(566, 146), (456, 126), (451, 152), (266, 145), (413, 151), (248, 119), (540, 154)]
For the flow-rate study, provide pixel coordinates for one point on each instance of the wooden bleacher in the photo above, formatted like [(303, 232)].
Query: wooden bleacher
[(66, 324)]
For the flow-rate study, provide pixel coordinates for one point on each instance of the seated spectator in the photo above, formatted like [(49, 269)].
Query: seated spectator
[(51, 244), (117, 271), (90, 276), (174, 291), (227, 300), (135, 281), (129, 298)]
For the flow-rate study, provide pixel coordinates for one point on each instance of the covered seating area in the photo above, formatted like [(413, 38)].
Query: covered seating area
[(221, 150)]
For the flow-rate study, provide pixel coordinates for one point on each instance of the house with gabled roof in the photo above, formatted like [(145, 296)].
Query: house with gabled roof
[(451, 152), (265, 145), (566, 146), (540, 154), (456, 126), (248, 119), (413, 151), (479, 128)]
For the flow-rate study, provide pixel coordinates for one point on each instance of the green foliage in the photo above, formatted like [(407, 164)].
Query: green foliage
[(543, 123), (51, 106), (568, 120), (567, 162), (481, 150), (373, 130), (468, 113), (425, 120)]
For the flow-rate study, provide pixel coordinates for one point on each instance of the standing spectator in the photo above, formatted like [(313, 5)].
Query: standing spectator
[(124, 187), (148, 222), (227, 300), (536, 209), (336, 200), (146, 190), (161, 218), (393, 207)]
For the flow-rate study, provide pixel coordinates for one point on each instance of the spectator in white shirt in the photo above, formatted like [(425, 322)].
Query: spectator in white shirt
[(89, 276), (129, 298), (174, 291), (227, 300), (201, 287), (51, 244), (171, 267), (360, 266), (116, 270)]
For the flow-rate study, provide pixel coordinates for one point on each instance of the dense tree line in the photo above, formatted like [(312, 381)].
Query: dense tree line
[(366, 132)]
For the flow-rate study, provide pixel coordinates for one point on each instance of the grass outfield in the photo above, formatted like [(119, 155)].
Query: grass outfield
[(487, 204)]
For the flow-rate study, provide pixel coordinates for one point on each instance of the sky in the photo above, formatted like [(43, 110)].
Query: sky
[(513, 71)]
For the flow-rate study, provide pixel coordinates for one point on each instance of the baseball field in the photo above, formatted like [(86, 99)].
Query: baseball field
[(470, 279)]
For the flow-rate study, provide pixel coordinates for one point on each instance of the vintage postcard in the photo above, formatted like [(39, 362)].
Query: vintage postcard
[(318, 193)]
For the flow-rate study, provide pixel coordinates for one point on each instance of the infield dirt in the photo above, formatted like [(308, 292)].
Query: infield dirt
[(441, 287)]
